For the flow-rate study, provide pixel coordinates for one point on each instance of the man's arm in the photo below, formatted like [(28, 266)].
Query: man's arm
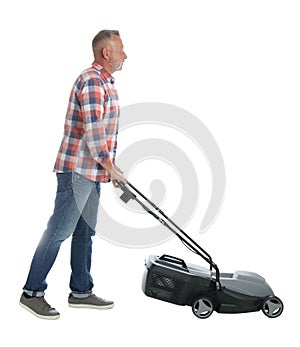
[(92, 100)]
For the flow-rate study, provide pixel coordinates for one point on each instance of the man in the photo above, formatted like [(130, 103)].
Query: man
[(86, 159)]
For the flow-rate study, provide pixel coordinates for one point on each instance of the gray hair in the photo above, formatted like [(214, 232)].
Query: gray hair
[(103, 35)]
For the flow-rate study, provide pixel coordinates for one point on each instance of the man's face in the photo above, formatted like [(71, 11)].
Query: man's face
[(116, 53)]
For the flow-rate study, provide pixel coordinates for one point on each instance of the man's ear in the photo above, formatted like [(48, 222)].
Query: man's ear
[(105, 53)]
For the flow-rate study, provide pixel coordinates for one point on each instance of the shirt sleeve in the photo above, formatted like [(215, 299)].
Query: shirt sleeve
[(91, 99)]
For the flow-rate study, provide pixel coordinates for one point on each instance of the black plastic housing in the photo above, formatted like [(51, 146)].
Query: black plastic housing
[(169, 281)]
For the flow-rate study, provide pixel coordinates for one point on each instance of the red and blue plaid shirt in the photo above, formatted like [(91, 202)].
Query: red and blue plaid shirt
[(91, 126)]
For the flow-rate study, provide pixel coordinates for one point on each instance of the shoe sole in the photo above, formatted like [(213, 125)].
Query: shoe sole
[(39, 315), (106, 307)]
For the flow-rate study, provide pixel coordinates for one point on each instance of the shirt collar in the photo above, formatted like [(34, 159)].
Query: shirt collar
[(103, 72)]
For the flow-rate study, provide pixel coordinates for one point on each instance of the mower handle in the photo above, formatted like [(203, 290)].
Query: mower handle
[(182, 235)]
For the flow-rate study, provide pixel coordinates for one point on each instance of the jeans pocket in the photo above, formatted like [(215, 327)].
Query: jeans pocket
[(76, 178)]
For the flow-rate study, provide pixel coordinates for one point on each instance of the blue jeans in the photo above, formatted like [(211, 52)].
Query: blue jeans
[(75, 213)]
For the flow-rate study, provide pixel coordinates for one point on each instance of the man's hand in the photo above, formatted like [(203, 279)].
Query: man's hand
[(117, 174)]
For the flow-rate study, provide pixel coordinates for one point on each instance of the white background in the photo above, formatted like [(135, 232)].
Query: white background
[(234, 64)]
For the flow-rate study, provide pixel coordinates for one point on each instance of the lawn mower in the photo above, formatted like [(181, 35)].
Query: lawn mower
[(206, 290)]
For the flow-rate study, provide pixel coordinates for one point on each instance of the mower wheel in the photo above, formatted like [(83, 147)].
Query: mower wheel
[(202, 307), (272, 307)]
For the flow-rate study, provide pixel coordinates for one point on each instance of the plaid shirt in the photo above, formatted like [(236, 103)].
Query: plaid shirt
[(91, 126)]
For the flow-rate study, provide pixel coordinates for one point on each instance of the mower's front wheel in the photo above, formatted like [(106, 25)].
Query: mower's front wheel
[(272, 307), (202, 307)]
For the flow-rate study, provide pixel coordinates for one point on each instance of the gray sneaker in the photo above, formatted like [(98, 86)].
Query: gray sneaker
[(91, 301), (39, 307)]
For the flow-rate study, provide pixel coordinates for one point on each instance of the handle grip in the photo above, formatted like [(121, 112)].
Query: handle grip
[(174, 260)]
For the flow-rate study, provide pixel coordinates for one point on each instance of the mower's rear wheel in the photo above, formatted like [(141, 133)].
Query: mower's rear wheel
[(202, 307), (272, 307)]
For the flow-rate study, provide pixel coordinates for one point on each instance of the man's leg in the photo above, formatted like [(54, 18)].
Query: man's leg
[(81, 281)]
